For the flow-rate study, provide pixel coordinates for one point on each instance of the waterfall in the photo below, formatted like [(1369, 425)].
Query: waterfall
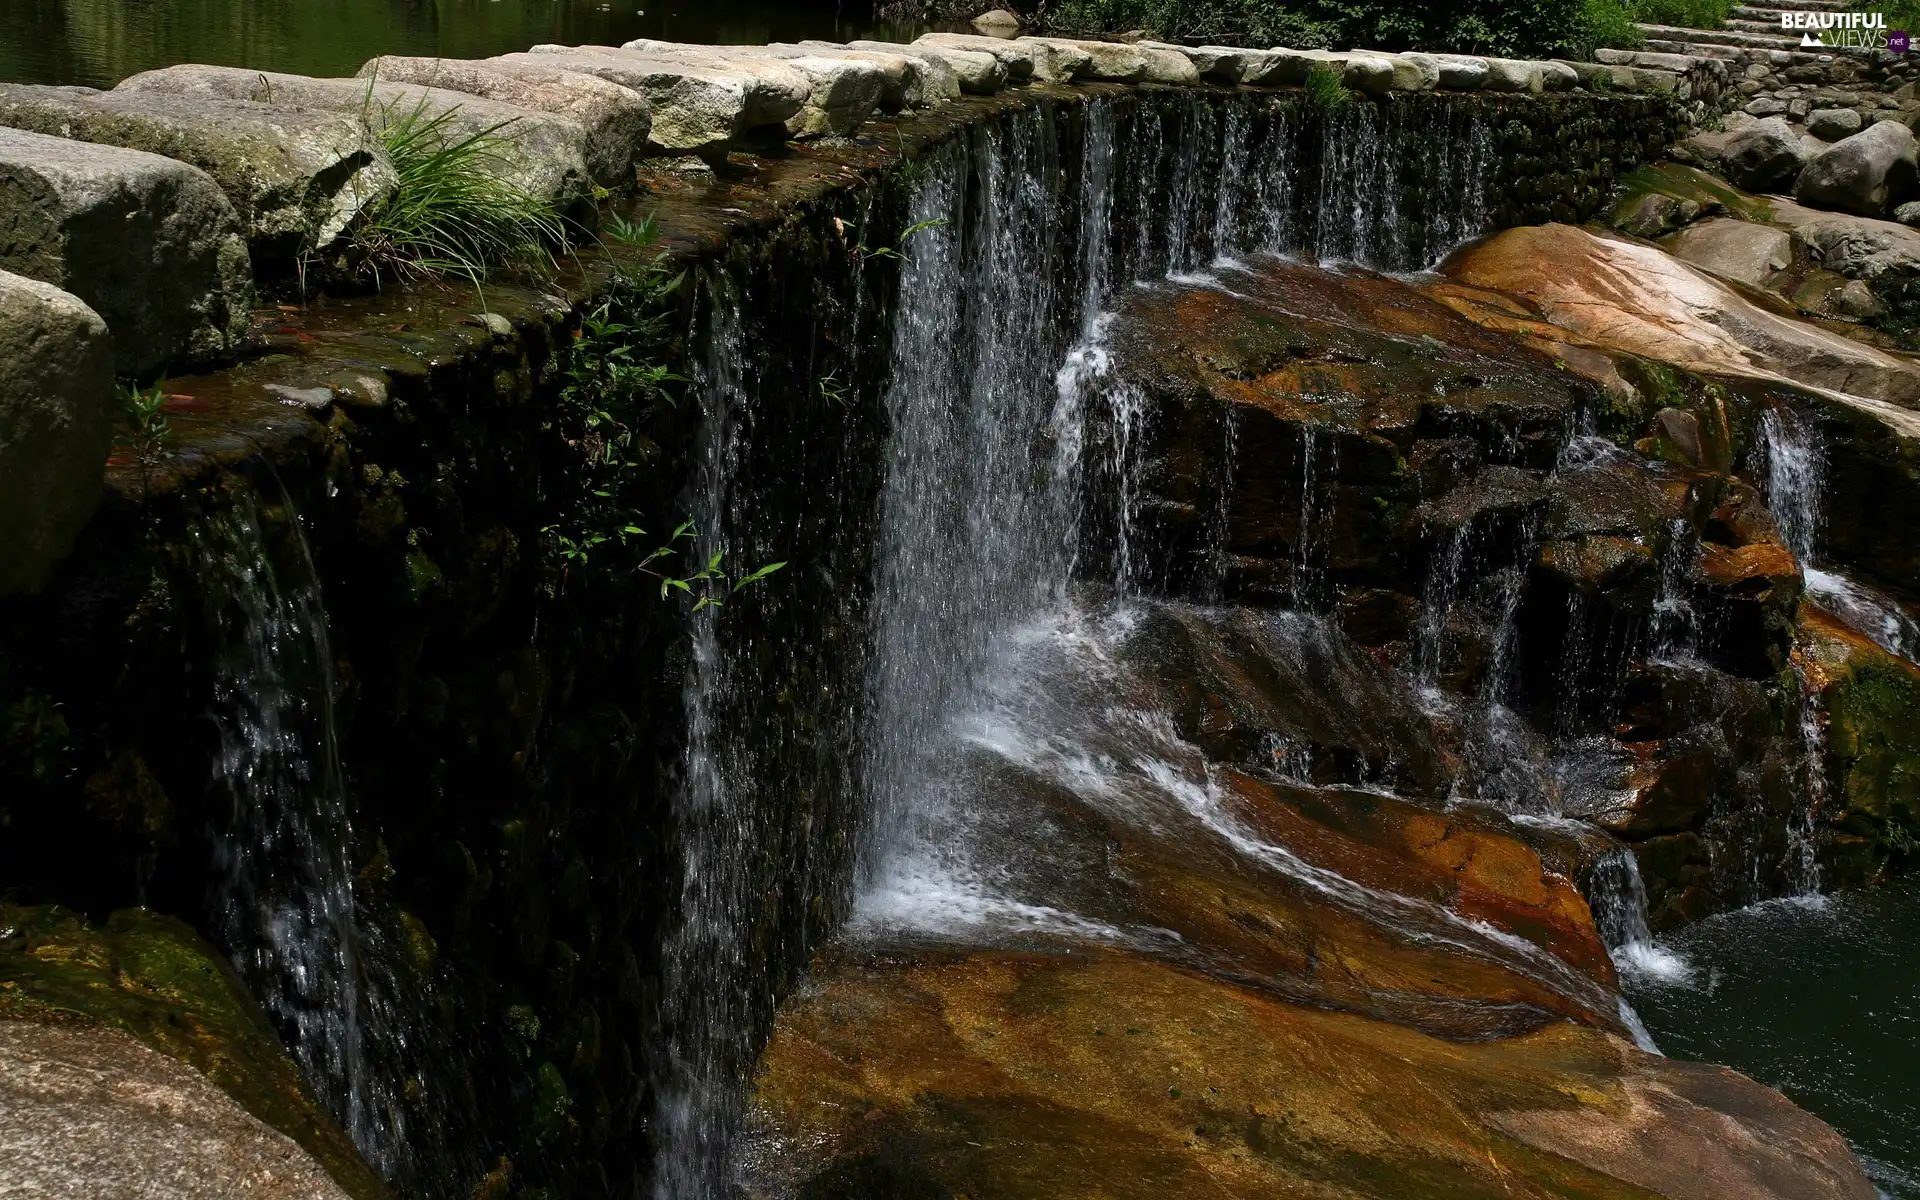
[(286, 909), (1619, 902)]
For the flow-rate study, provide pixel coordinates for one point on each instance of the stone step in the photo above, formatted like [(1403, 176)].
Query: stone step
[(1774, 8), (1744, 40), (149, 243)]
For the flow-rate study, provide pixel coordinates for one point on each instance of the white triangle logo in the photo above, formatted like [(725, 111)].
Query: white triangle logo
[(1807, 39)]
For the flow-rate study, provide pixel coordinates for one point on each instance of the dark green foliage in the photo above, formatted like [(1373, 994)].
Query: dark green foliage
[(1504, 27), (1324, 89)]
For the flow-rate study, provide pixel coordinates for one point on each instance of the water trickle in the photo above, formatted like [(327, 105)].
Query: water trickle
[(1619, 901), (1796, 474), (286, 909)]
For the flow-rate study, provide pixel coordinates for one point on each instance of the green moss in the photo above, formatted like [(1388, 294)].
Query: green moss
[(153, 978), (1873, 744), (1686, 183)]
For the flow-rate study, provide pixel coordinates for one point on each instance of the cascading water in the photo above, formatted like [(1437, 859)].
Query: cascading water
[(286, 909)]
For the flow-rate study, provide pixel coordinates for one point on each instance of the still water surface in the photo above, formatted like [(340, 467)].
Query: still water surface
[(99, 42), (1820, 1000)]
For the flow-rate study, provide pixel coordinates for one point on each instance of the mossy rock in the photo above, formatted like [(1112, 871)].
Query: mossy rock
[(1687, 185), (153, 978), (1872, 701)]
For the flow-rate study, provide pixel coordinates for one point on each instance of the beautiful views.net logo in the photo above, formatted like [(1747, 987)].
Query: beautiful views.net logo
[(1867, 30)]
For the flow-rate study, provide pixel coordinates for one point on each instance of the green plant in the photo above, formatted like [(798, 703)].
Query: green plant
[(707, 583), (1324, 90), (453, 211), (148, 428)]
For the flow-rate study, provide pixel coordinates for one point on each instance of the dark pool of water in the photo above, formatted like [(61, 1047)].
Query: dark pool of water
[(100, 42), (1821, 1001)]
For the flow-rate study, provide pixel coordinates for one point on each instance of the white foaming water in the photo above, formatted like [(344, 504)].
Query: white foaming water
[(1869, 610)]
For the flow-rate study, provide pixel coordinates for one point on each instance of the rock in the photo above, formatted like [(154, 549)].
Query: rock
[(1867, 173), (542, 153), (998, 22), (695, 108), (1459, 73), (297, 178), (151, 979), (1856, 247), (1871, 700), (1653, 214), (1118, 62), (915, 80), (1765, 106), (976, 73), (1083, 1074), (1513, 75), (841, 93), (91, 1112), (150, 244), (1833, 124), (1415, 72), (1636, 298), (1018, 58), (57, 404), (617, 119), (1558, 76), (1369, 74), (1855, 299), (1762, 157), (1908, 213), (1057, 60), (1738, 250)]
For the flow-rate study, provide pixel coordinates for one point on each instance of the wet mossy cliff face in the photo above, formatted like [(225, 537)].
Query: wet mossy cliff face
[(397, 569)]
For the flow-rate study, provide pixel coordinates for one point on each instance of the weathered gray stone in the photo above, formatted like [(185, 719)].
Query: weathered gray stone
[(695, 109), (1415, 72), (978, 73), (1557, 77), (1513, 75), (617, 119), (1368, 74), (997, 21), (542, 153), (1857, 300), (1744, 251), (91, 1112), (57, 401), (1056, 60), (1762, 156), (1867, 173), (1856, 247), (1462, 73), (1015, 55), (1832, 124), (1908, 213), (915, 81), (150, 244), (841, 92), (298, 178), (1121, 62)]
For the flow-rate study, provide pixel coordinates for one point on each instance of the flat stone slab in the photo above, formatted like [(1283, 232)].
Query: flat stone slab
[(617, 119), (695, 107), (57, 402), (976, 73), (150, 244), (1018, 58), (542, 153), (841, 92), (297, 177), (91, 1112)]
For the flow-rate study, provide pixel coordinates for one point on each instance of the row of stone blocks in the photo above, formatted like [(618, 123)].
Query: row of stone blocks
[(138, 219)]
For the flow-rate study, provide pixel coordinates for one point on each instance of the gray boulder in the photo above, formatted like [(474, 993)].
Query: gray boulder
[(1855, 247), (542, 153), (298, 178), (999, 21), (1833, 124), (1868, 173), (1017, 56), (840, 93), (1462, 73), (56, 422), (1121, 62), (1743, 251), (1762, 157), (913, 81), (617, 119), (978, 73), (150, 244), (696, 108)]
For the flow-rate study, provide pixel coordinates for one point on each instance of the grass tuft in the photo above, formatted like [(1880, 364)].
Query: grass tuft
[(1324, 89), (453, 212)]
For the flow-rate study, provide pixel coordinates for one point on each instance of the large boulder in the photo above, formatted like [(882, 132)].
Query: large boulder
[(977, 73), (841, 92), (542, 153), (1633, 297), (1742, 251), (1019, 56), (913, 80), (56, 421), (91, 1112), (695, 108), (1868, 173), (1763, 156), (617, 118), (1121, 62), (298, 177), (150, 244)]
